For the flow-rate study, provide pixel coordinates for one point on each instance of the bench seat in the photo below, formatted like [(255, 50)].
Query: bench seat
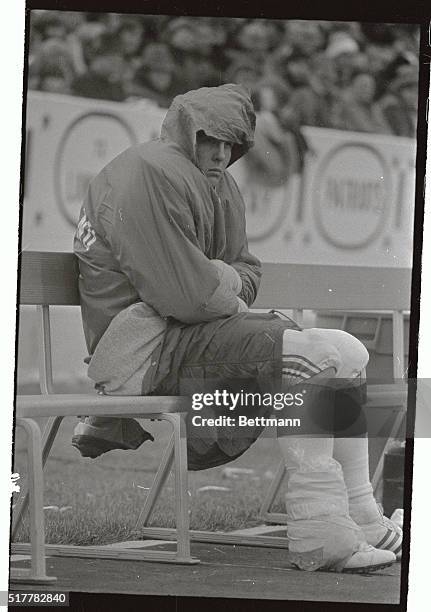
[(65, 404)]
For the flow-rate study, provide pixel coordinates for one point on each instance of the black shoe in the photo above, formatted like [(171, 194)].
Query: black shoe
[(132, 433)]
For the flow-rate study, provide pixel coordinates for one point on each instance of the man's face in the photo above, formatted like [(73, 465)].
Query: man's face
[(212, 156)]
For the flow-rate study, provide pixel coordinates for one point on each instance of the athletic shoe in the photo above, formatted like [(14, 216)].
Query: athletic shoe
[(368, 559), (382, 533), (392, 538)]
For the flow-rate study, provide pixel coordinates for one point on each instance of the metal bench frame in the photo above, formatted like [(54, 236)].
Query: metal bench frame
[(50, 279)]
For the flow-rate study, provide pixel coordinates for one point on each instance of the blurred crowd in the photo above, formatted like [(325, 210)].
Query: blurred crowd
[(343, 75)]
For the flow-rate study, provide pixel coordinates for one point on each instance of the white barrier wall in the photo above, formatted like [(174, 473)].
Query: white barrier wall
[(353, 203)]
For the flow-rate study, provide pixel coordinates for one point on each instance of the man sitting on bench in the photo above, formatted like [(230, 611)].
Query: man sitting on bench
[(166, 280)]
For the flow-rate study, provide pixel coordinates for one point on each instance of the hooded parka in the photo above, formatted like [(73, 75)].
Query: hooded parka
[(151, 222)]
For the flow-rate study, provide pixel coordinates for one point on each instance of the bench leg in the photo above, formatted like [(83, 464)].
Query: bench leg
[(159, 480), (181, 485), (49, 433), (265, 511), (37, 527)]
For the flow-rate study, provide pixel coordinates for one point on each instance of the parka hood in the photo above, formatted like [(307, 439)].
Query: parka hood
[(224, 112)]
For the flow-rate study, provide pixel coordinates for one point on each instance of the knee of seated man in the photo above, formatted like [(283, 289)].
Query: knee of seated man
[(313, 346), (354, 355)]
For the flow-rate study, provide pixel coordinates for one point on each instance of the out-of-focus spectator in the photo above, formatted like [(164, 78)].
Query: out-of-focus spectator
[(272, 94), (356, 109), (305, 37), (53, 80), (84, 43), (280, 147), (399, 107), (50, 24), (343, 51), (130, 34), (271, 158), (131, 39), (155, 79), (243, 72), (104, 77), (155, 25), (54, 57), (213, 35), (381, 53), (278, 60), (194, 69), (379, 56), (313, 103), (297, 72), (205, 38), (112, 21), (254, 40), (72, 20), (380, 60), (399, 62)]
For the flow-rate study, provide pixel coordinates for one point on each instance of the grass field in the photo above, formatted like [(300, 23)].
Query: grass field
[(99, 500)]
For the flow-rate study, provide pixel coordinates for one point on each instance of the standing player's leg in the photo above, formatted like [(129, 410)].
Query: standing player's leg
[(320, 529)]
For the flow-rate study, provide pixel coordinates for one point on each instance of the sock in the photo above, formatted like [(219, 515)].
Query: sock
[(305, 354), (352, 454)]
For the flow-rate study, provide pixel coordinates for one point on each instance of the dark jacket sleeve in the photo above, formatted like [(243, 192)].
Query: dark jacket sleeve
[(154, 241), (249, 269), (247, 265)]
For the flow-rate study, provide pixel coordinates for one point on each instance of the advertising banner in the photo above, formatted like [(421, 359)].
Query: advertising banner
[(352, 204)]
